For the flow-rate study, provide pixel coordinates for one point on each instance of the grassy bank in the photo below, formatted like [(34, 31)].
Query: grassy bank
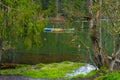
[(59, 70), (53, 70), (115, 75)]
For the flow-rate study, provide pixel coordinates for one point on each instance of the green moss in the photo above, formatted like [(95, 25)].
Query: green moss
[(66, 62), (104, 69), (17, 71), (54, 70), (92, 73), (86, 76), (38, 66), (50, 73), (115, 75)]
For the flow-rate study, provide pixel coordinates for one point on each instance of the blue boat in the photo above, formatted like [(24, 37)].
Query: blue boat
[(47, 29)]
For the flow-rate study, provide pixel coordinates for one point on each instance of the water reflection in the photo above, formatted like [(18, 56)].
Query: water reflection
[(45, 58)]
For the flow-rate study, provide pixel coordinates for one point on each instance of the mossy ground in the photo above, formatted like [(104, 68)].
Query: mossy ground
[(115, 75), (59, 70), (53, 70)]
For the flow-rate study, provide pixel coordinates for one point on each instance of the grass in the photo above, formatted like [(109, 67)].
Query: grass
[(17, 71), (53, 70), (58, 70), (99, 72), (86, 76), (115, 75)]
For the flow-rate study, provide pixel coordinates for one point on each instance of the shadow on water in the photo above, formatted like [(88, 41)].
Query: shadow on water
[(44, 58)]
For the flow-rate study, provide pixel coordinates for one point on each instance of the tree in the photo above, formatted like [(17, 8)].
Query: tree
[(95, 30), (20, 21), (95, 35), (74, 9), (112, 12)]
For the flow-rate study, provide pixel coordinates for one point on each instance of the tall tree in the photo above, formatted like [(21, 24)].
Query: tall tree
[(99, 54), (23, 21), (112, 29)]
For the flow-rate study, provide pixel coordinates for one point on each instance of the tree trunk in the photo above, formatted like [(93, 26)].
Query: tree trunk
[(115, 54), (93, 35), (112, 65), (99, 53), (114, 58)]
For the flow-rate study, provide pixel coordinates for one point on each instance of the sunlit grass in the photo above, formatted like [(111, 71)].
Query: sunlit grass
[(57, 70), (53, 70)]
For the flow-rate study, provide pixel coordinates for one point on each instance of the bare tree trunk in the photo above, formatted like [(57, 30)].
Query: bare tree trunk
[(112, 65), (114, 58), (115, 54), (100, 32), (95, 35)]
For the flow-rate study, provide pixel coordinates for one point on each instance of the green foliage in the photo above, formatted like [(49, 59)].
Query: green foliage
[(52, 8), (24, 21), (92, 73), (27, 18), (74, 9), (110, 76), (112, 26)]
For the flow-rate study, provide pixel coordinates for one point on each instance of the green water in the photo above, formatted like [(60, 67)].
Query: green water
[(58, 47)]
